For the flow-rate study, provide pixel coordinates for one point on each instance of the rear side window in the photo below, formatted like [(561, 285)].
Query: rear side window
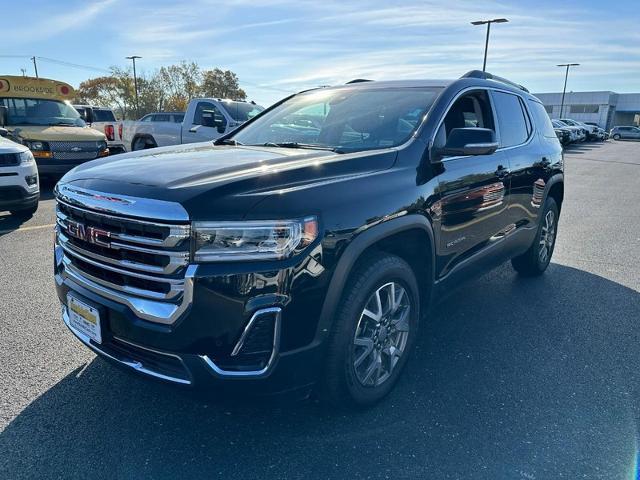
[(103, 116), (541, 119), (511, 119)]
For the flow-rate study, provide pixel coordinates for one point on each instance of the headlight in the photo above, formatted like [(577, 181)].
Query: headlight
[(37, 146), (252, 240), (26, 158)]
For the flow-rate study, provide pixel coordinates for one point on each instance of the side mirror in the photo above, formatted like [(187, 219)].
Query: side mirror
[(4, 132), (88, 115), (3, 115), (210, 119), (468, 141)]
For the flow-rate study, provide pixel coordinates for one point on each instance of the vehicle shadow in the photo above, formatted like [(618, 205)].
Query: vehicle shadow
[(9, 223), (511, 378)]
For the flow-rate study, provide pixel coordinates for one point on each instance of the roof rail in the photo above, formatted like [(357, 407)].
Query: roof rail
[(489, 76), (358, 80)]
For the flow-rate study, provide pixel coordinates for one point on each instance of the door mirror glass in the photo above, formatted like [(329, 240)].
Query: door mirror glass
[(468, 141)]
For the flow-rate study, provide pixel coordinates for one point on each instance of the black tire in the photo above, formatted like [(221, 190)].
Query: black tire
[(531, 263), (143, 143), (25, 213), (340, 385), (616, 137)]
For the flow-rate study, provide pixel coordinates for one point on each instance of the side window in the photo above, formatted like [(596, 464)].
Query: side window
[(178, 118), (146, 118), (471, 110), (511, 119), (162, 118), (541, 119), (204, 109)]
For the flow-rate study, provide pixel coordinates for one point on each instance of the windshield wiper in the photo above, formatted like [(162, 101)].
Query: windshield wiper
[(309, 146), (228, 141)]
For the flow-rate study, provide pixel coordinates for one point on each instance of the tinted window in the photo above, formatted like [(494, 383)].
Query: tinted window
[(162, 117), (241, 111), (103, 116), (178, 118), (511, 119), (542, 121)]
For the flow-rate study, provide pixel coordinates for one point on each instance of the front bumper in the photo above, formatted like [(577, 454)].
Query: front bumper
[(17, 198), (197, 349)]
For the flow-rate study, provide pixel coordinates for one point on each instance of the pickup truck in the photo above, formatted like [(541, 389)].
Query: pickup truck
[(205, 119), (104, 120)]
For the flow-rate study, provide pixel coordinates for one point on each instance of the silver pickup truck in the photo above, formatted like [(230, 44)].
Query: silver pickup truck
[(205, 119)]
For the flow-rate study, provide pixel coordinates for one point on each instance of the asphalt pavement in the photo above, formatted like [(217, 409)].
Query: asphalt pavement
[(512, 378)]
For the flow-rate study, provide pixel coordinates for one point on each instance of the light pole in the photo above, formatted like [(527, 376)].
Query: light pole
[(486, 42), (135, 81), (564, 89)]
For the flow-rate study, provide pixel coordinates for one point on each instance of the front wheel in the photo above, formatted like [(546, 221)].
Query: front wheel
[(616, 137), (537, 258), (373, 332)]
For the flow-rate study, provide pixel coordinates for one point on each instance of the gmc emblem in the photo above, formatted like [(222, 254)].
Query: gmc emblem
[(88, 234)]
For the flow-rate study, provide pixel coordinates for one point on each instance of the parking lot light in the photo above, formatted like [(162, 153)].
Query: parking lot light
[(564, 89), (486, 42)]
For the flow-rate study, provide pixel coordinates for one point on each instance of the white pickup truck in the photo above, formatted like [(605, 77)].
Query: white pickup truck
[(104, 120), (205, 119)]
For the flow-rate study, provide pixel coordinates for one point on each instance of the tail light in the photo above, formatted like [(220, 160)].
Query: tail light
[(109, 131), (120, 131)]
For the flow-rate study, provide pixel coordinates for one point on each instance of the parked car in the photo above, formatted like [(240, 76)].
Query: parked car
[(625, 132), (205, 119), (104, 120), (564, 135), (589, 130), (303, 248), (601, 134), (577, 134), (19, 185)]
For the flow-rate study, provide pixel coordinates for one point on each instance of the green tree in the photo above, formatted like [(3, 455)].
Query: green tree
[(221, 84)]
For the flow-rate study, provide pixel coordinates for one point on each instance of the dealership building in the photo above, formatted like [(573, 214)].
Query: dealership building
[(607, 109)]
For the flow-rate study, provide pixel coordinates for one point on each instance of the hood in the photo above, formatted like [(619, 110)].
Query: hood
[(199, 172), (57, 133)]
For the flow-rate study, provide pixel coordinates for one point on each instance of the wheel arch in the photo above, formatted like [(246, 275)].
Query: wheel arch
[(410, 237), (555, 189), (145, 136)]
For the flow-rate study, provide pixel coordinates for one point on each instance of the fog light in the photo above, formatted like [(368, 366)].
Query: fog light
[(31, 180)]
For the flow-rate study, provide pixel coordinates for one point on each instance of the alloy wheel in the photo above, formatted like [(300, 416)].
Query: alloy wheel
[(381, 335), (547, 236)]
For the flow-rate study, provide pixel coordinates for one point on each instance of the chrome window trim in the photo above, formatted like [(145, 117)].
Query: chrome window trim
[(274, 352), (121, 204), (133, 364)]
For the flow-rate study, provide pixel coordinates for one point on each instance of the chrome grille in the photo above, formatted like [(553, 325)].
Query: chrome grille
[(73, 146), (75, 155), (143, 258), (9, 159)]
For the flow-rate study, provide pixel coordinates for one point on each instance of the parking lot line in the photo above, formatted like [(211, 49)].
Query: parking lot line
[(25, 229)]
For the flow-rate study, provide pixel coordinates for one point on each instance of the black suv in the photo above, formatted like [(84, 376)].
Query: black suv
[(304, 248)]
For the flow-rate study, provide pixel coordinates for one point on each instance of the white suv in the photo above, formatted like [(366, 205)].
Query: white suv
[(19, 183)]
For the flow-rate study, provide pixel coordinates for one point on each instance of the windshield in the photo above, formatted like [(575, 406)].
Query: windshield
[(33, 111), (349, 119), (242, 111)]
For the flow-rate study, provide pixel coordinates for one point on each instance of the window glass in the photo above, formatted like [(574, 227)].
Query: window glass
[(347, 119), (103, 116), (178, 118), (205, 108), (241, 111), (513, 126), (146, 118), (162, 117), (542, 120), (470, 110), (34, 111)]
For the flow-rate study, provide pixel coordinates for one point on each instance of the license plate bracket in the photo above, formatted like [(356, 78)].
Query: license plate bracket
[(84, 317)]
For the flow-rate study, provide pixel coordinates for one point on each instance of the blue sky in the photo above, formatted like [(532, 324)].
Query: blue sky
[(281, 46)]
